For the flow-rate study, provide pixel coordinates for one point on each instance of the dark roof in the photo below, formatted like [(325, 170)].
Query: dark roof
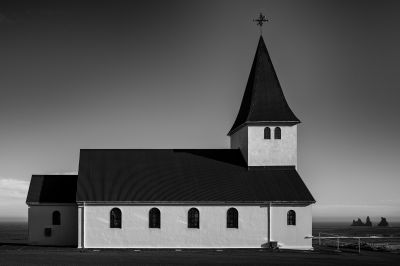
[(263, 99), (211, 175), (52, 189)]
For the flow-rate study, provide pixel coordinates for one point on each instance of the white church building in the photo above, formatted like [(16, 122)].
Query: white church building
[(248, 196)]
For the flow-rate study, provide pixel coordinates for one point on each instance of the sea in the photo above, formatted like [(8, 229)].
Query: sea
[(13, 232)]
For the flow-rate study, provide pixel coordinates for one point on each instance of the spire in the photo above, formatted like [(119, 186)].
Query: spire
[(263, 100)]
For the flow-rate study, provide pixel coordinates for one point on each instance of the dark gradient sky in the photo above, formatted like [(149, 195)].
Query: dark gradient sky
[(171, 74)]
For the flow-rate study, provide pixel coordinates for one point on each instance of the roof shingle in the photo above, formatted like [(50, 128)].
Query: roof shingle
[(211, 175)]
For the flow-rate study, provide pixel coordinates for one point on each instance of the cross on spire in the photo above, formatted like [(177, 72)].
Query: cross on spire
[(260, 21)]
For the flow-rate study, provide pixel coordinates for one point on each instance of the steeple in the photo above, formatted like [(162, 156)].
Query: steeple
[(263, 101)]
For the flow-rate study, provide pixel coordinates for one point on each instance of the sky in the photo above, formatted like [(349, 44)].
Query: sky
[(171, 74)]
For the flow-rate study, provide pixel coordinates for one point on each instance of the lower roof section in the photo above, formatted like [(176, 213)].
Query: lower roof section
[(52, 189), (209, 176)]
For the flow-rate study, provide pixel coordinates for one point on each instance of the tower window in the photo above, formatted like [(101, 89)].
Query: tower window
[(291, 217), (277, 133), (193, 218), (56, 218), (267, 133), (115, 218), (154, 218), (232, 217)]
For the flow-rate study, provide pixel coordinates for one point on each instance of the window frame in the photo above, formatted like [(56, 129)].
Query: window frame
[(116, 218), (194, 218), (47, 232), (277, 132), (56, 218), (291, 217), (154, 218), (232, 218), (267, 133)]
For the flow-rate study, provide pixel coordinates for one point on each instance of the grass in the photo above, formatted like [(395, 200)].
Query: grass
[(29, 255), (14, 251)]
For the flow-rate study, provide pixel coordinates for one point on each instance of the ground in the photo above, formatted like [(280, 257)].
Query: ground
[(15, 251), (29, 255)]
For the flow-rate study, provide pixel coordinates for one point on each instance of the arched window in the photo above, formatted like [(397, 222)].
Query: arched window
[(291, 217), (115, 218), (193, 218), (267, 133), (277, 133), (232, 217), (56, 218), (154, 218)]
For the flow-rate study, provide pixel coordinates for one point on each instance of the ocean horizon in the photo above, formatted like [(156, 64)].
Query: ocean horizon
[(16, 231)]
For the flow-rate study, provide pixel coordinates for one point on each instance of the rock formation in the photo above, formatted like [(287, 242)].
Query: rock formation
[(360, 223), (383, 222), (368, 222), (357, 223)]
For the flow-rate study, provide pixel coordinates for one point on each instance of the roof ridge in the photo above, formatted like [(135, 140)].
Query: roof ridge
[(251, 109), (155, 149)]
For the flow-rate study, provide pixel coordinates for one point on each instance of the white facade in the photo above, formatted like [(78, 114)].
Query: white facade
[(41, 217), (258, 151), (292, 236), (252, 231)]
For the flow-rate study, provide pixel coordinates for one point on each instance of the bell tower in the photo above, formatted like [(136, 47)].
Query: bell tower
[(265, 129)]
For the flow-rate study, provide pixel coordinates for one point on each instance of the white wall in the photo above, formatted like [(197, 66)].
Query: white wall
[(252, 231), (291, 236), (272, 152), (258, 151), (174, 233), (41, 217)]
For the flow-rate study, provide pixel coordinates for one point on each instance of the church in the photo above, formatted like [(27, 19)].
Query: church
[(248, 196)]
